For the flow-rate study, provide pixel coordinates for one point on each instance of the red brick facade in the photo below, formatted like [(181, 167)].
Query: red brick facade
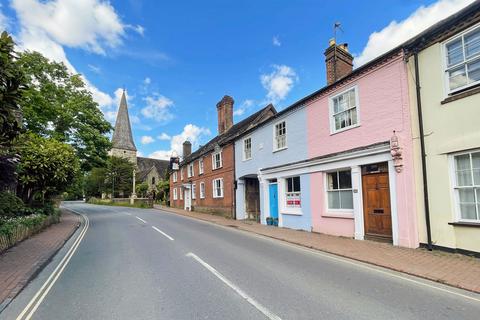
[(223, 205)]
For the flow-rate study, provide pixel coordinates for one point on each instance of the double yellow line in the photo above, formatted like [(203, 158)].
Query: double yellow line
[(32, 306)]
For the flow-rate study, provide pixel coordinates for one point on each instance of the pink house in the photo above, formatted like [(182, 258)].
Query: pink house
[(360, 166)]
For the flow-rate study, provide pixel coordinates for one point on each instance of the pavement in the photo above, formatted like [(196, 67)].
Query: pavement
[(19, 264), (129, 263), (437, 266)]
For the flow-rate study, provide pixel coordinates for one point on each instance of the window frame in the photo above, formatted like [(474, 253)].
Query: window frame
[(181, 174), (214, 162), (214, 188), (244, 156), (194, 191), (332, 114), (180, 193), (446, 68), (454, 187), (293, 194), (202, 194), (175, 176), (200, 166), (190, 170), (327, 190), (275, 144), (175, 194)]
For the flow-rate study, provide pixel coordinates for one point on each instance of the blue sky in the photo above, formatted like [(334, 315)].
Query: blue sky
[(178, 58)]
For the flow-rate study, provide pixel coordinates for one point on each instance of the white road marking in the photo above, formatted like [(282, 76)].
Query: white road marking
[(166, 235), (43, 291), (141, 219), (253, 302), (128, 214), (332, 256)]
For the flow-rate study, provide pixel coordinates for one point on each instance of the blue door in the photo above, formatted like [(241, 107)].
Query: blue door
[(273, 200)]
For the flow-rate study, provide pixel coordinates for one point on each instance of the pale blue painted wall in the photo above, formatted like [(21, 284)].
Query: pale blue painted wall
[(262, 150)]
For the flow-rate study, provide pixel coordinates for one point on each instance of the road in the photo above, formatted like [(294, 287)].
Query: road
[(131, 263)]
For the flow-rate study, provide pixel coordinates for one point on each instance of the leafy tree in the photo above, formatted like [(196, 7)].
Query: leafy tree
[(12, 84), (142, 189), (119, 176), (46, 168), (58, 104), (95, 182)]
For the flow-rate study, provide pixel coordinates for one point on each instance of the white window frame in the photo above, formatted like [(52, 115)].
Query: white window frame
[(293, 194), (214, 188), (455, 187), (245, 156), (464, 62), (175, 194), (214, 162), (332, 115), (200, 166), (202, 190), (190, 170), (338, 190), (174, 176), (194, 191), (180, 193), (181, 173), (275, 142)]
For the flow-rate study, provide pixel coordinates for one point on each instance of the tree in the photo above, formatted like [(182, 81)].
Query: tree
[(12, 84), (142, 189), (119, 176), (58, 104), (47, 167), (95, 182)]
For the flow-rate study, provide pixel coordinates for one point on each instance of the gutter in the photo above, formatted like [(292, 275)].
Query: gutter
[(422, 150)]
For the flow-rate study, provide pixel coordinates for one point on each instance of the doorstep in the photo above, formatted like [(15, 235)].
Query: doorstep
[(437, 266)]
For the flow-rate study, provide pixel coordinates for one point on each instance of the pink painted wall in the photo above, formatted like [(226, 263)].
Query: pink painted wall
[(383, 107)]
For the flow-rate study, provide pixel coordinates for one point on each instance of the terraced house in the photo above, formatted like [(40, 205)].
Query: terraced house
[(205, 179)]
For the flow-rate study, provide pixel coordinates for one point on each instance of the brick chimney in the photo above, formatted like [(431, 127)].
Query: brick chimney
[(187, 148), (225, 114), (338, 60)]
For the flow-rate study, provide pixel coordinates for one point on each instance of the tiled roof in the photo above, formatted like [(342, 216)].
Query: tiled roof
[(146, 164)]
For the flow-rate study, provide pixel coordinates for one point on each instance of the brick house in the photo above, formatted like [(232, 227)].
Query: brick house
[(205, 179)]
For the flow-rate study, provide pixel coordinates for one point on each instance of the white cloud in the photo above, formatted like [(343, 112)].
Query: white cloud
[(190, 132), (94, 69), (139, 154), (147, 81), (276, 41), (243, 107), (164, 136), (4, 21), (279, 82), (138, 29), (158, 108), (147, 139), (398, 32)]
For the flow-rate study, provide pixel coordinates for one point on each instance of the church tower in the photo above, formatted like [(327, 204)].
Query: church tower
[(122, 139)]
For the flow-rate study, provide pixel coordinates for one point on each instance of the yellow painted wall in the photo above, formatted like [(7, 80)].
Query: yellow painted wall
[(448, 128)]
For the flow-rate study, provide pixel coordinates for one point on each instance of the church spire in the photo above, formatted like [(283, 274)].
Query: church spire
[(122, 134)]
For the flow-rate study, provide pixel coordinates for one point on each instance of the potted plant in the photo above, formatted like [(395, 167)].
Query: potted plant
[(275, 222), (269, 221)]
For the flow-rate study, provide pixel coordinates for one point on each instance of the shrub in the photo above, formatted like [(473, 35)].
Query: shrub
[(10, 205)]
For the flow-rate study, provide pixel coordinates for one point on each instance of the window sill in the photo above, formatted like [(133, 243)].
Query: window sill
[(462, 94), (345, 129), (292, 213), (277, 150), (341, 215), (245, 160), (465, 224)]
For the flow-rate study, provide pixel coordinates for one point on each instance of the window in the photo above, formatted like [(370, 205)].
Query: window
[(292, 194), (344, 110), (190, 172), (463, 60), (339, 190), (218, 188), (175, 195), (181, 193), (202, 190), (280, 136), (181, 174), (467, 185), (174, 176), (217, 160), (247, 148), (153, 180), (200, 166), (194, 191)]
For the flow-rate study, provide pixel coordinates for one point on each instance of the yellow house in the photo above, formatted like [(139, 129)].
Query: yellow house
[(444, 84)]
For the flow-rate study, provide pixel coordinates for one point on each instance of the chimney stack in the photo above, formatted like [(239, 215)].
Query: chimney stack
[(187, 148), (225, 114), (338, 60)]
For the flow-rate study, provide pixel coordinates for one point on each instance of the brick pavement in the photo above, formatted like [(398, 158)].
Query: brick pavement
[(448, 268), (20, 264)]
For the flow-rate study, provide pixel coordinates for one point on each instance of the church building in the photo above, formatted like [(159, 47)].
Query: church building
[(148, 170)]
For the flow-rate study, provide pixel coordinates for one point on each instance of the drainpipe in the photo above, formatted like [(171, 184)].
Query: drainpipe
[(423, 155)]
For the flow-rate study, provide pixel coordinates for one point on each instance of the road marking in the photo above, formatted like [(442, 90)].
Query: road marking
[(128, 214), (166, 235), (43, 291), (141, 219), (332, 256), (253, 302)]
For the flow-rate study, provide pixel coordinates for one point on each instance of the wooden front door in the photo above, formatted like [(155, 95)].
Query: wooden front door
[(376, 206), (252, 198)]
